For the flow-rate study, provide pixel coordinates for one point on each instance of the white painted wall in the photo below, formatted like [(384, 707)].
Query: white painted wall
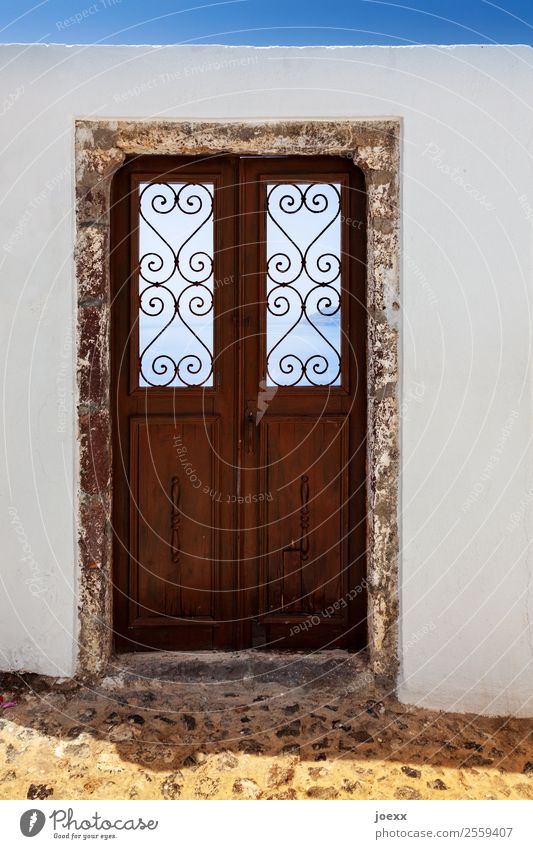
[(467, 207)]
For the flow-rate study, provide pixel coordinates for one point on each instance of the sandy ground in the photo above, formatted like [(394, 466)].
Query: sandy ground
[(287, 734)]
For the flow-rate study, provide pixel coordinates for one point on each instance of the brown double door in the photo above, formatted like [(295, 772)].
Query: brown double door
[(239, 411)]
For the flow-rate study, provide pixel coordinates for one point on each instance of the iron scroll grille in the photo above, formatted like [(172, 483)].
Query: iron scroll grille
[(176, 292), (303, 267), (176, 287)]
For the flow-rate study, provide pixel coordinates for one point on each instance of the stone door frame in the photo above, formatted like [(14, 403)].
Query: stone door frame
[(101, 148)]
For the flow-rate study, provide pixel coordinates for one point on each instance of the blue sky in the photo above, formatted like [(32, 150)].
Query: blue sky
[(267, 21)]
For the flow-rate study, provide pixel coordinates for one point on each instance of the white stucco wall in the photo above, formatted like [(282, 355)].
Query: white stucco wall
[(466, 520)]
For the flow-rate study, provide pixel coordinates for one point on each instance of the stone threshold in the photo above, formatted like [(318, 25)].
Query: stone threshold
[(336, 669)]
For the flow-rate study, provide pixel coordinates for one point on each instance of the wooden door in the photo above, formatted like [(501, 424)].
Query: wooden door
[(174, 369), (238, 347), (304, 374)]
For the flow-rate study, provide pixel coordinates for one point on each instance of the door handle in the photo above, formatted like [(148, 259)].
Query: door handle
[(250, 424)]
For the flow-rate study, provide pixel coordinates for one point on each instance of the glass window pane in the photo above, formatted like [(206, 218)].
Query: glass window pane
[(176, 284), (303, 284)]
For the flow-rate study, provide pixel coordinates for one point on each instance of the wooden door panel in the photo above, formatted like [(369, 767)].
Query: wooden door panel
[(174, 370), (305, 521), (174, 522), (306, 353)]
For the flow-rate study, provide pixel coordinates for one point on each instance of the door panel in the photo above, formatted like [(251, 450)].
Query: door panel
[(174, 369), (305, 309), (174, 527), (239, 395), (305, 537)]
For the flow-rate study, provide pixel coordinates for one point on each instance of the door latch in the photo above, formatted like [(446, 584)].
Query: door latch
[(250, 425)]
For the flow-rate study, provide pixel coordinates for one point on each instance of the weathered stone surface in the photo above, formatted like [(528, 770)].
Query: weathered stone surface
[(412, 773), (121, 733), (92, 263), (39, 791), (95, 452), (278, 775), (92, 365), (94, 545), (291, 729), (438, 784), (108, 742), (246, 788), (406, 792), (170, 787), (317, 792)]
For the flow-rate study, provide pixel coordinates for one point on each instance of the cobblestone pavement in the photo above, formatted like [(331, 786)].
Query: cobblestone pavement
[(290, 732)]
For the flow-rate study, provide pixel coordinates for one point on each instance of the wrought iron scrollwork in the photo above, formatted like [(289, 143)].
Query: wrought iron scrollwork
[(176, 284), (303, 284)]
